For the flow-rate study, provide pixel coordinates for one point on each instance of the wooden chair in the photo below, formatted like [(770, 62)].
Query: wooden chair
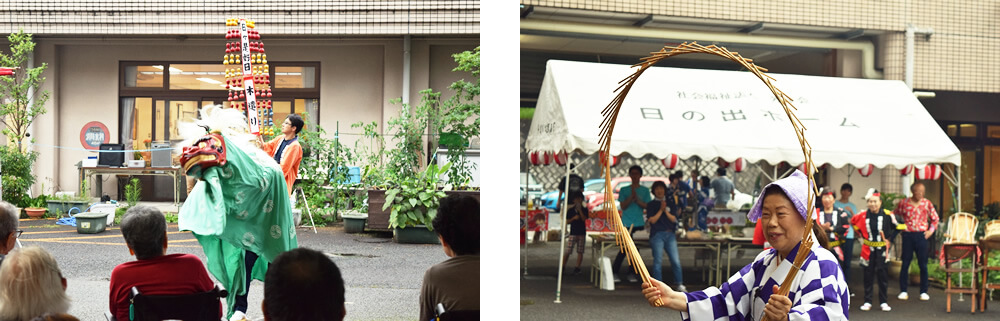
[(959, 244), (991, 241)]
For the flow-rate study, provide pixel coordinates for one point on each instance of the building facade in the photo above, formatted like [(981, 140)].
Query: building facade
[(139, 68), (943, 50)]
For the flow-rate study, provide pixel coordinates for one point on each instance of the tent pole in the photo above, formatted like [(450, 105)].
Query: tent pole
[(527, 219), (562, 239)]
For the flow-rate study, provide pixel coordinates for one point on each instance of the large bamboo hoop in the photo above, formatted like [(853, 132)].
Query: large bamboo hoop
[(622, 237)]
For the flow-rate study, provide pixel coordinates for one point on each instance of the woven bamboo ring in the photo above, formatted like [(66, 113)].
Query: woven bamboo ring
[(622, 237)]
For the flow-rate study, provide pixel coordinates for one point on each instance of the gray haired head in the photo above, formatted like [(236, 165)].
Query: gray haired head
[(8, 224), (144, 228)]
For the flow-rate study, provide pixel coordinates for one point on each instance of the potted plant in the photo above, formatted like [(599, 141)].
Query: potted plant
[(414, 202), (369, 151), (356, 217), (62, 203), (36, 207)]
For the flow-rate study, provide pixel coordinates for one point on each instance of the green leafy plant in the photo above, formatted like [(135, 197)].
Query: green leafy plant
[(325, 172), (132, 192), (15, 176), (22, 101), (171, 217), (459, 119), (415, 200), (369, 151), (38, 202), (408, 129)]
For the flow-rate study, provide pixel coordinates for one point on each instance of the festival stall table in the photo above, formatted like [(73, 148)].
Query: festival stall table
[(603, 241)]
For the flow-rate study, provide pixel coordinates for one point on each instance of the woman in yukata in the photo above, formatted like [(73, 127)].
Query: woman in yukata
[(818, 291)]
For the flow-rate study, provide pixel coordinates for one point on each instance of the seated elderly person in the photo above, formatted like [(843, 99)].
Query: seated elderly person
[(454, 283), (153, 272), (303, 284), (32, 287), (8, 228)]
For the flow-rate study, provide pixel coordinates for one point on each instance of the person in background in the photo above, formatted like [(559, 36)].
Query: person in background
[(705, 203), (724, 188), (834, 221), (153, 272), (577, 216), (661, 213), (32, 286), (303, 284), (8, 228), (633, 200), (916, 212), (876, 226), (286, 149), (844, 203), (454, 283)]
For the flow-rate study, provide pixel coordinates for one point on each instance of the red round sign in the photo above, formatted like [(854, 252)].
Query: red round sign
[(94, 134)]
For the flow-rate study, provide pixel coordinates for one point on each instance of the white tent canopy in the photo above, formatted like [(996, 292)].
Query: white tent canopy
[(732, 114)]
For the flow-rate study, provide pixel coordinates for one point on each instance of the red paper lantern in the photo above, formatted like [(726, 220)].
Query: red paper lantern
[(722, 163), (560, 158), (671, 161), (906, 170), (930, 171), (604, 159), (866, 170), (539, 158), (740, 165)]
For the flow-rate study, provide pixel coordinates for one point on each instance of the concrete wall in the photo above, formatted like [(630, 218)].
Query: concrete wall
[(358, 78)]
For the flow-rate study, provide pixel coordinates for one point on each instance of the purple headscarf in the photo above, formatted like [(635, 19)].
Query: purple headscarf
[(794, 187)]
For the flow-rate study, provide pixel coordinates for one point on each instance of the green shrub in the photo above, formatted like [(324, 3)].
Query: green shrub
[(16, 175)]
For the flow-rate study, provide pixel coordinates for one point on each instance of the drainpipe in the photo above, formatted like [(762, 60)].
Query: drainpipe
[(908, 69), (406, 69), (911, 33), (545, 27)]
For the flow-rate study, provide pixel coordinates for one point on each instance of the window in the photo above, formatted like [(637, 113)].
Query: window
[(197, 77), (294, 77), (961, 130), (145, 76), (156, 96)]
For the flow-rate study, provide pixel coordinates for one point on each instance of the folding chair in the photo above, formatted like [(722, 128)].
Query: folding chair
[(197, 306)]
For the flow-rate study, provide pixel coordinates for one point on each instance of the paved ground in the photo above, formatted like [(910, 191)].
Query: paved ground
[(382, 277), (582, 301)]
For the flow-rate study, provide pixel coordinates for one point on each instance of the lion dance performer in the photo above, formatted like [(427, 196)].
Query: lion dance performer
[(818, 290), (240, 202), (877, 226)]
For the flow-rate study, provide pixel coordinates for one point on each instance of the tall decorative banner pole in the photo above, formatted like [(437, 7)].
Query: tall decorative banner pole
[(610, 113), (252, 76)]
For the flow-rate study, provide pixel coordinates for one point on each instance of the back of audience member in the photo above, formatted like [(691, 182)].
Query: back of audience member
[(454, 283), (303, 284), (153, 272), (31, 286), (8, 228)]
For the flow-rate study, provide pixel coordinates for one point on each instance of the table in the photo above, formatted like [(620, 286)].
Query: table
[(172, 172), (601, 242)]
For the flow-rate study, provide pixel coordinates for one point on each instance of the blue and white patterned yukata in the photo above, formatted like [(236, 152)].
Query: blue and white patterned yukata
[(818, 292)]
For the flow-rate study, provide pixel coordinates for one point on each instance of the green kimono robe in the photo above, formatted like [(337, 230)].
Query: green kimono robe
[(242, 205)]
